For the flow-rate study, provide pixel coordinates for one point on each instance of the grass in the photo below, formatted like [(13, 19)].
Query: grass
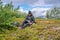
[(42, 30)]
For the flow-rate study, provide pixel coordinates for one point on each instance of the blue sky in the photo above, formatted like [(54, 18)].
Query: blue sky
[(34, 5), (26, 6)]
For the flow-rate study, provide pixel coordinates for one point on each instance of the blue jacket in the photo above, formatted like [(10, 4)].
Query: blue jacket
[(31, 18)]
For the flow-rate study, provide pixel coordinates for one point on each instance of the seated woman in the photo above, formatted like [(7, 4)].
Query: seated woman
[(28, 21)]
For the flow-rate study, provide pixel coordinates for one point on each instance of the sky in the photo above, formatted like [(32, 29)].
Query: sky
[(38, 7)]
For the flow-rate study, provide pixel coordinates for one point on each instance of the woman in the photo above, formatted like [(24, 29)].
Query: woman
[(28, 21)]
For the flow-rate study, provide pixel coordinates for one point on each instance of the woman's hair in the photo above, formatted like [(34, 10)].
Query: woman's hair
[(30, 13)]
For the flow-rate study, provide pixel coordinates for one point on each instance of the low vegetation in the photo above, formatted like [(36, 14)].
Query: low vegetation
[(42, 30)]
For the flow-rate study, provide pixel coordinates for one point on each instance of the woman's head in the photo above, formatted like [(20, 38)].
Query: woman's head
[(29, 13)]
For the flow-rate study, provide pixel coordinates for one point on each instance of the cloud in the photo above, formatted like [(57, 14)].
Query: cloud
[(39, 11), (20, 1), (38, 3), (32, 2), (52, 1), (4, 4), (22, 10), (46, 2)]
